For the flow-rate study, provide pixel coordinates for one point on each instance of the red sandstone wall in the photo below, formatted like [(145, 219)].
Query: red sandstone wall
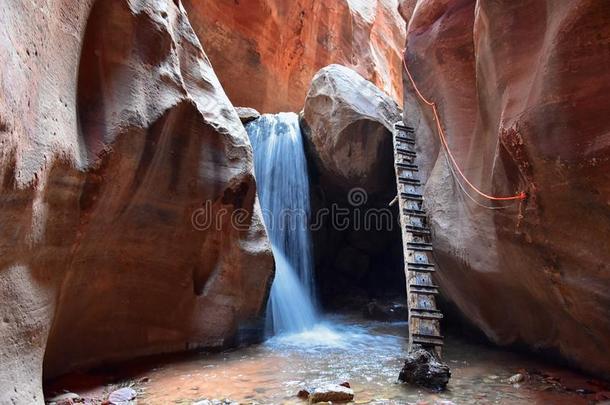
[(114, 131), (523, 88), (267, 51)]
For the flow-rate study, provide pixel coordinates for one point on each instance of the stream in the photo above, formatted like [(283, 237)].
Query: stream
[(367, 354)]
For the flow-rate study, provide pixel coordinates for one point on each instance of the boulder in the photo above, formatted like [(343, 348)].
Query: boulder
[(423, 369), (534, 272), (334, 393), (119, 146), (267, 51), (348, 125)]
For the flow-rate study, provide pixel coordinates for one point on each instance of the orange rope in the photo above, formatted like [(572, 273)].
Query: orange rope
[(521, 196)]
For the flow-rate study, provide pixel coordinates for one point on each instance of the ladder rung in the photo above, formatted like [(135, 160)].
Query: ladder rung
[(430, 317), (406, 152), (421, 269), (406, 140), (426, 310), (411, 196), (408, 166), (424, 286), (416, 264), (403, 127), (415, 213), (420, 248), (423, 292), (406, 180), (419, 244), (427, 342), (417, 230), (426, 336)]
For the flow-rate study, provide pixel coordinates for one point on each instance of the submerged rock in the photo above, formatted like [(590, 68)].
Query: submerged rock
[(122, 396), (303, 394), (423, 369), (386, 312), (217, 402), (331, 393), (517, 378)]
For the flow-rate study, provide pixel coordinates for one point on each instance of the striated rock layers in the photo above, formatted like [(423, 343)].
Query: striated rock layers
[(347, 124), (115, 134), (266, 51), (523, 90)]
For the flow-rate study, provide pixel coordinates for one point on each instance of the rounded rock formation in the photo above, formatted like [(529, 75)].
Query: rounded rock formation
[(348, 125)]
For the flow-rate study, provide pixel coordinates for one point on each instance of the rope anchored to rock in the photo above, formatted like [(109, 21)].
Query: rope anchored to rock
[(519, 197)]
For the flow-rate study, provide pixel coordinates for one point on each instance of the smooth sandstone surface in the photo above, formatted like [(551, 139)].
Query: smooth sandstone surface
[(266, 52), (115, 133), (348, 123), (523, 89)]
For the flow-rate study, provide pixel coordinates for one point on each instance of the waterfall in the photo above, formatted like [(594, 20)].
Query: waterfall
[(283, 189)]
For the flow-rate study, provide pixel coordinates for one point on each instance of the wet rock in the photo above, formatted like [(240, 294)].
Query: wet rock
[(517, 378), (216, 402), (331, 393), (122, 396), (303, 394), (423, 369), (386, 312), (67, 398), (247, 114)]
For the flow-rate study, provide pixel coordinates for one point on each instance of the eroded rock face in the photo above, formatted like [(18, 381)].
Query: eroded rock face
[(347, 124), (118, 146), (523, 92), (267, 51)]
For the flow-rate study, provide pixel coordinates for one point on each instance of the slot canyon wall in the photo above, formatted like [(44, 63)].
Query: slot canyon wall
[(114, 132), (266, 52), (523, 90)]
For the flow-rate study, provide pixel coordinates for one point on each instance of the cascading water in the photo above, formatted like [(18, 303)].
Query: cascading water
[(283, 188)]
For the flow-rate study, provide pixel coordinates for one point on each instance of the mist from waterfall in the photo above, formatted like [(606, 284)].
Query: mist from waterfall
[(283, 189)]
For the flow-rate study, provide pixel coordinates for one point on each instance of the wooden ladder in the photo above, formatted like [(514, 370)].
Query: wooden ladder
[(424, 316)]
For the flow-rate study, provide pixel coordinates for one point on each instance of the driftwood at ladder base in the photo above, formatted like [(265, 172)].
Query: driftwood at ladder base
[(423, 366)]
